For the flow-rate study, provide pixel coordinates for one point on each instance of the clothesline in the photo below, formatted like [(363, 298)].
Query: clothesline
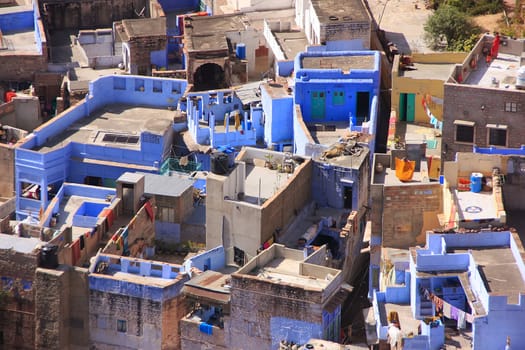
[(448, 310)]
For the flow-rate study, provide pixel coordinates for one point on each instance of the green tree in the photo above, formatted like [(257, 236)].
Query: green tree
[(451, 29)]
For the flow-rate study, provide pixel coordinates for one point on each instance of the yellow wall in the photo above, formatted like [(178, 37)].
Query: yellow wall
[(422, 87)]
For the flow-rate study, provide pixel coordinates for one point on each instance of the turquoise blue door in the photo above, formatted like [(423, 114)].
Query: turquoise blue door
[(411, 107), (318, 104)]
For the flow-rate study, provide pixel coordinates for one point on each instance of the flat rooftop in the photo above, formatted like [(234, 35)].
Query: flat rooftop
[(208, 33), (24, 245), (388, 178), (209, 285), (262, 182), (67, 209), (475, 206), (410, 325), (499, 271), (275, 90), (337, 11), (170, 186), (436, 71), (120, 120), (18, 41), (144, 27), (504, 69), (282, 269), (344, 63), (291, 43)]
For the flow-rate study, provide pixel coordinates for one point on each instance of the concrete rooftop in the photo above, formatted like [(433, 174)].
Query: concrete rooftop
[(291, 43), (68, 207), (266, 180), (24, 245), (504, 69), (475, 206), (144, 27), (285, 270), (170, 186), (337, 11), (18, 41), (344, 63), (208, 33), (115, 119), (435, 71), (499, 270)]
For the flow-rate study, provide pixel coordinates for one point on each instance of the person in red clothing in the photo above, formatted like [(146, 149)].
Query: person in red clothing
[(9, 95)]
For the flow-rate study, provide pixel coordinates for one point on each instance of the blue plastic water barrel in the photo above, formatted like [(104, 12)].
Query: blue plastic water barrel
[(241, 51), (475, 182)]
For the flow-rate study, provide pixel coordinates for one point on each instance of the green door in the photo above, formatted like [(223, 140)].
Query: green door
[(402, 107), (318, 104), (411, 107)]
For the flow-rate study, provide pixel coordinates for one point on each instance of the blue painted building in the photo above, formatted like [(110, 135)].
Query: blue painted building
[(124, 124), (290, 297), (475, 282), (219, 118), (278, 106), (132, 302), (345, 97)]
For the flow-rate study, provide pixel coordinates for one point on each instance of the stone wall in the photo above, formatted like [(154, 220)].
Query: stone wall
[(254, 303), (140, 53), (17, 311), (403, 211), (142, 316), (7, 163), (194, 339), (22, 67), (89, 14), (464, 102), (61, 308), (172, 312)]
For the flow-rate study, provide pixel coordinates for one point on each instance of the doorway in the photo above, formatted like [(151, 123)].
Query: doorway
[(407, 107), (318, 104), (209, 76), (347, 197), (127, 198), (363, 107)]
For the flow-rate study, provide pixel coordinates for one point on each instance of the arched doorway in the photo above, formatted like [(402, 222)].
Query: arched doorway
[(209, 76)]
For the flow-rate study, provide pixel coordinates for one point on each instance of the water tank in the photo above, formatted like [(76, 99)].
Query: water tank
[(240, 51), (520, 78), (49, 256), (219, 163), (475, 182)]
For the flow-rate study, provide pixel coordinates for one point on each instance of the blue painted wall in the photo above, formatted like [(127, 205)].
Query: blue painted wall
[(278, 118), (17, 21), (330, 81), (213, 108), (328, 182), (214, 259), (293, 330), (502, 319), (159, 58), (179, 6), (59, 165), (285, 68)]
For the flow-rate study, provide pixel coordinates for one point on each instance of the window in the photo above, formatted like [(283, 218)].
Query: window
[(338, 98), (139, 85), (497, 135), (511, 107), (464, 131), (120, 138), (122, 326), (157, 86)]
